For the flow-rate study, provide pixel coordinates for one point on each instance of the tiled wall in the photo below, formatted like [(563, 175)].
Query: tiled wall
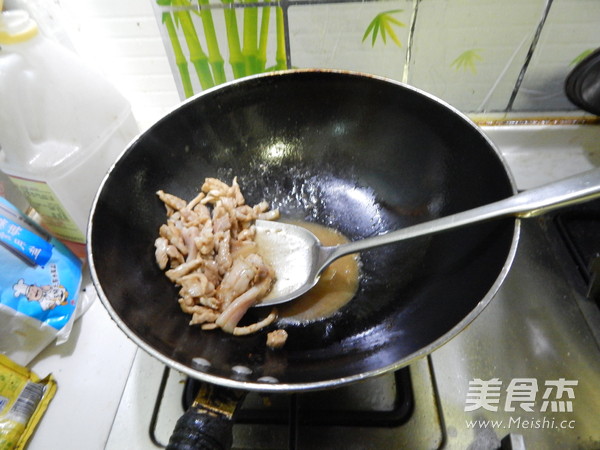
[(482, 56)]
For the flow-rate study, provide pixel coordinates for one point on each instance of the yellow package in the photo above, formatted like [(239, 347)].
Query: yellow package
[(23, 399)]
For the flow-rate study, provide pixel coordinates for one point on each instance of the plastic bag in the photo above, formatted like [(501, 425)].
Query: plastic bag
[(40, 282)]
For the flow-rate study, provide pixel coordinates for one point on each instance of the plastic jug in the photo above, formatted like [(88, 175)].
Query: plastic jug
[(62, 125)]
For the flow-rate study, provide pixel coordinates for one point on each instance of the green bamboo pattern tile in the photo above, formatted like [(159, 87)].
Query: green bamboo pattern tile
[(481, 56)]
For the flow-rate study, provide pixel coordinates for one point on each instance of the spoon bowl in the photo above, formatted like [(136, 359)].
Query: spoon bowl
[(298, 257)]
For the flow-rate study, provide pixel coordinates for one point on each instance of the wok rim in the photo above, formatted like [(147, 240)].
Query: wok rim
[(276, 387)]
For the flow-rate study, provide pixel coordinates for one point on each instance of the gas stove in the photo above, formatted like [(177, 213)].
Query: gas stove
[(524, 374), (535, 349)]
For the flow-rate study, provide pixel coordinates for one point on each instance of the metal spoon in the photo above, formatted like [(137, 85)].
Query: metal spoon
[(298, 258)]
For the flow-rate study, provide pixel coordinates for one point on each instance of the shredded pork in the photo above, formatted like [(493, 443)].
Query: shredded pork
[(207, 249), (277, 338)]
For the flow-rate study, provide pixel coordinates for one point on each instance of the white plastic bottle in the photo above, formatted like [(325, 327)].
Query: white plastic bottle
[(62, 125)]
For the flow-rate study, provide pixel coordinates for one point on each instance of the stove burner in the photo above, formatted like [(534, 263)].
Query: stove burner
[(380, 402)]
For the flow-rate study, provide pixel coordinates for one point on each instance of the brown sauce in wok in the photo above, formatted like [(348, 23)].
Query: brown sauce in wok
[(336, 287)]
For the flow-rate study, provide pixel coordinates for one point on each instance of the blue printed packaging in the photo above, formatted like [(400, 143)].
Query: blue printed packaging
[(40, 280)]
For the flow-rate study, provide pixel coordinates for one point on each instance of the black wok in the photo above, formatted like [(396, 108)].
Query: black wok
[(358, 153)]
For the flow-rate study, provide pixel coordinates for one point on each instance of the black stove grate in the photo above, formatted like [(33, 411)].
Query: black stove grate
[(386, 401), (579, 226), (334, 407)]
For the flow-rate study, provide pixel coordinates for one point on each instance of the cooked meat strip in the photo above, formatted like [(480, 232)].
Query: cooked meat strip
[(221, 219), (270, 215), (242, 331), (277, 338), (261, 207), (203, 315), (243, 248), (175, 256), (245, 213), (207, 248), (263, 270), (189, 218), (203, 212), (236, 281), (234, 312), (223, 246), (195, 284), (189, 235), (211, 270), (205, 241), (171, 232), (197, 201), (247, 234), (210, 302), (171, 200), (214, 190), (162, 258), (183, 269), (237, 193)]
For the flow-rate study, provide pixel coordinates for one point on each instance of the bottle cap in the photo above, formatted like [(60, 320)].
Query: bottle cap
[(16, 26)]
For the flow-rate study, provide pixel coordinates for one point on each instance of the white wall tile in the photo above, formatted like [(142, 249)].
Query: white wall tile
[(572, 27), (497, 36), (123, 40), (331, 36)]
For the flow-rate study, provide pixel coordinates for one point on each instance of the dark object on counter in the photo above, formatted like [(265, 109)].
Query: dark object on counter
[(583, 84), (579, 228), (357, 153), (513, 441), (207, 427), (340, 407)]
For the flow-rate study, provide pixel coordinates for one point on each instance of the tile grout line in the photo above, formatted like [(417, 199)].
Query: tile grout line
[(409, 44), (530, 52)]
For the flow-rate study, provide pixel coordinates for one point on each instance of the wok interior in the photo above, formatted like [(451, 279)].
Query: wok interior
[(359, 154)]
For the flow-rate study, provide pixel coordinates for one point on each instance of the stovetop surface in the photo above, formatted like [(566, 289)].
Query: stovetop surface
[(536, 348)]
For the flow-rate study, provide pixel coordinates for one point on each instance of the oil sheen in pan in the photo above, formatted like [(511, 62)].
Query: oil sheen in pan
[(336, 287)]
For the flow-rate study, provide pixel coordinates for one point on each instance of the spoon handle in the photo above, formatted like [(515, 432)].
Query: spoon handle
[(533, 202)]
